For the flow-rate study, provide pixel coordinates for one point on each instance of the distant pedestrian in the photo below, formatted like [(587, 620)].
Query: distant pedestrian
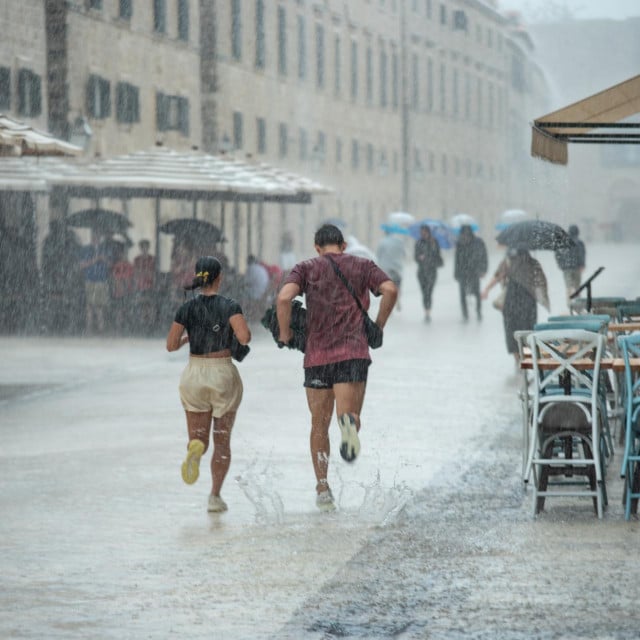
[(525, 286), (429, 259), (144, 279), (210, 386), (95, 261), (571, 261), (336, 359), (121, 288), (391, 255), (471, 265)]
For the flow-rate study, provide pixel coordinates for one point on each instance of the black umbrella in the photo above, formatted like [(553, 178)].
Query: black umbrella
[(103, 220), (193, 229), (535, 235)]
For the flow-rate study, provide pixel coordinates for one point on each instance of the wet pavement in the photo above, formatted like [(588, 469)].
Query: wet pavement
[(433, 538)]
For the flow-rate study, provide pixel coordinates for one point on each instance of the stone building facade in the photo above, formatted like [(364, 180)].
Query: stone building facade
[(418, 105)]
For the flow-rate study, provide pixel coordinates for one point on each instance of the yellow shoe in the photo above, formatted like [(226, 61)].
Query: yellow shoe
[(191, 465)]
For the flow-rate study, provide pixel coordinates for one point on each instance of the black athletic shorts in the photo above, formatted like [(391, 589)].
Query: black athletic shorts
[(326, 375)]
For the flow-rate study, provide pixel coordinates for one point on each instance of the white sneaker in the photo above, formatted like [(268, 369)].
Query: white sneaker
[(216, 504), (350, 445), (324, 501)]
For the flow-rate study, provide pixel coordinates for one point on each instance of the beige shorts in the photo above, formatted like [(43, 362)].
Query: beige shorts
[(211, 384)]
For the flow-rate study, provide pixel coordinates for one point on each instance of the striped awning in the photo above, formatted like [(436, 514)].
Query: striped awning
[(160, 173), (603, 118), (20, 139)]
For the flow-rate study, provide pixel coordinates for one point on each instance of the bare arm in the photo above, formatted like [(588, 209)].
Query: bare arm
[(240, 328), (389, 293), (176, 337), (283, 310)]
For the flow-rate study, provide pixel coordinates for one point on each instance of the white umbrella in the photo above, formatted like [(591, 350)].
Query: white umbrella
[(401, 218), (461, 219), (510, 216)]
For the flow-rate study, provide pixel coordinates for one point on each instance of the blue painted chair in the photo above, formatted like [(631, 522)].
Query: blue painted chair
[(567, 440), (630, 348)]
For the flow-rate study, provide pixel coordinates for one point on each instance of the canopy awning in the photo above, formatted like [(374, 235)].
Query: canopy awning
[(20, 139), (160, 173), (193, 175), (595, 120)]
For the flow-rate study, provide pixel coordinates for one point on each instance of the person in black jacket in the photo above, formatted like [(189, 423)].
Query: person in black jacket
[(571, 261), (427, 254), (471, 264)]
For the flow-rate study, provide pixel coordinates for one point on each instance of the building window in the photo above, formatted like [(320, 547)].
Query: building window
[(395, 87), (321, 146), (355, 154), (429, 84), (443, 88), (5, 88), (261, 126), (369, 158), (29, 93), (303, 144), (127, 103), (172, 113), (338, 150), (383, 78), (183, 20), (490, 105), (443, 14), (283, 140), (236, 30), (302, 48), (98, 97), (467, 95), (260, 36), (94, 4), (428, 9), (282, 41), (459, 20), (238, 133), (337, 66), (126, 9), (369, 75), (415, 82), (319, 56), (455, 101), (354, 71), (480, 99), (160, 16)]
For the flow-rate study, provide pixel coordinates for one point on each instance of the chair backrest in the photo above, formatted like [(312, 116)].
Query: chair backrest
[(582, 317), (630, 348), (628, 311), (562, 379), (597, 326)]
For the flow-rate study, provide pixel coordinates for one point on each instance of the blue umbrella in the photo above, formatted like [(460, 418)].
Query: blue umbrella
[(395, 228), (439, 230)]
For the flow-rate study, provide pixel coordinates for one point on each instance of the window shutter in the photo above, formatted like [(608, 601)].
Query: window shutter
[(91, 96), (161, 112), (135, 116), (5, 88), (105, 98), (22, 91), (183, 115)]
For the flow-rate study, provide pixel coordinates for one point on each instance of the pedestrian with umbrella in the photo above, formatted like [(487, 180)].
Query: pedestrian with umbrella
[(571, 261), (427, 255), (525, 286), (471, 264)]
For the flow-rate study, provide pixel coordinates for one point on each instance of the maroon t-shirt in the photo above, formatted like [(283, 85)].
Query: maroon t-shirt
[(335, 330)]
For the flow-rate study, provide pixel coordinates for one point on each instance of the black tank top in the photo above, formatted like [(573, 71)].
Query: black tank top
[(206, 319)]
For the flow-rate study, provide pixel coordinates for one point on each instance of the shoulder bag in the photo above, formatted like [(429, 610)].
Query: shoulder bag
[(371, 329)]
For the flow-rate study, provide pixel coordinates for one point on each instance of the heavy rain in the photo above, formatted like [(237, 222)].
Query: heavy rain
[(465, 148)]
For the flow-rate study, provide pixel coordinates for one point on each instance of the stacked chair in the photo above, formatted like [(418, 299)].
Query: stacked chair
[(630, 348), (566, 439)]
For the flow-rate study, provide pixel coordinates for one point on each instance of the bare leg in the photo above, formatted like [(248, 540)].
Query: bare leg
[(350, 398), (199, 426), (221, 458), (320, 403)]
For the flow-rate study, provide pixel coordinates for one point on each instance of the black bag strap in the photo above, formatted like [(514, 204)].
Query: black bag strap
[(346, 284)]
